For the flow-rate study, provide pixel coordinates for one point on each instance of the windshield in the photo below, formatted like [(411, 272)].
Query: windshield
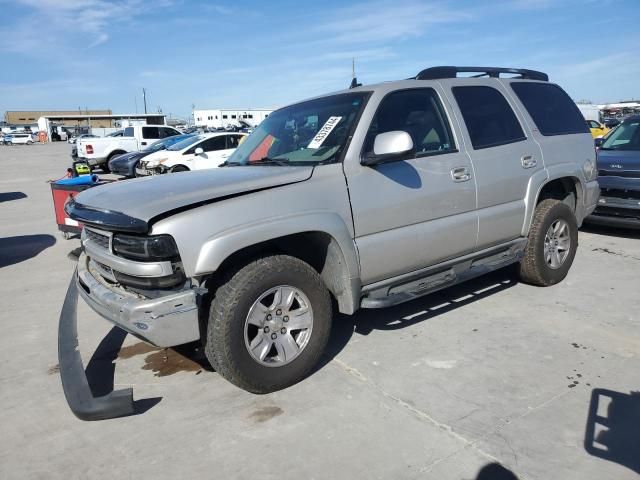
[(165, 143), (307, 133), (185, 143), (626, 136)]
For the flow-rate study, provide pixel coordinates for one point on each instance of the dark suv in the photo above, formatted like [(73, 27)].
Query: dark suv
[(619, 176)]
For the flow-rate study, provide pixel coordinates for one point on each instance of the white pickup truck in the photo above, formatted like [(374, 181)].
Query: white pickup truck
[(98, 151)]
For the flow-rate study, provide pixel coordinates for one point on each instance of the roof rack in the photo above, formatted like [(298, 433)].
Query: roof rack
[(435, 73)]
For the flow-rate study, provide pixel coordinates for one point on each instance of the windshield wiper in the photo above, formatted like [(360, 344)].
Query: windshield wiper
[(227, 163), (270, 161)]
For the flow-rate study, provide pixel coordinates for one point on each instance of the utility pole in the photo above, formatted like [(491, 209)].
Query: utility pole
[(144, 97), (353, 68)]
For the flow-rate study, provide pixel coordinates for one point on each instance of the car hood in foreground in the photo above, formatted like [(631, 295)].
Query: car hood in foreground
[(131, 205)]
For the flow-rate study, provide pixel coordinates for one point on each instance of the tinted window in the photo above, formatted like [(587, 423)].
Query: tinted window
[(128, 132), (233, 141), (167, 132), (489, 118), (150, 132), (212, 144), (417, 112), (551, 109)]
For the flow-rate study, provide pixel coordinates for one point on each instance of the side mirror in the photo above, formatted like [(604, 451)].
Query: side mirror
[(599, 141), (199, 151), (389, 147)]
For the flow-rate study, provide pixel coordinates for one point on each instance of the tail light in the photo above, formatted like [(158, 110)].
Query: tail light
[(89, 148)]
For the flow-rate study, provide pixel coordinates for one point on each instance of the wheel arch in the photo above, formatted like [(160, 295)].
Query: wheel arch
[(560, 185), (320, 242)]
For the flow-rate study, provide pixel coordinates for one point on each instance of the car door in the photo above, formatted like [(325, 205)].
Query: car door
[(212, 155), (419, 210), (504, 155), (149, 135)]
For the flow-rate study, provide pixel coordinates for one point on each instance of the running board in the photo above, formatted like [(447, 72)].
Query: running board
[(426, 281)]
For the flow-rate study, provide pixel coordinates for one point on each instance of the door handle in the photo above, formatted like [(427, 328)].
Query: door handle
[(528, 161), (460, 174)]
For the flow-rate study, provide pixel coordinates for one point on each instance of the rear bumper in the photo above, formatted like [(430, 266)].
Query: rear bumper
[(164, 321), (74, 380)]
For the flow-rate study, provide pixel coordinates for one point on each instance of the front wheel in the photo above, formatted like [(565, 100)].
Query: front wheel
[(269, 323), (552, 245)]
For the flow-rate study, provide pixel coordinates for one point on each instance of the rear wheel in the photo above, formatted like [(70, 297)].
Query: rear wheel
[(269, 323), (553, 240)]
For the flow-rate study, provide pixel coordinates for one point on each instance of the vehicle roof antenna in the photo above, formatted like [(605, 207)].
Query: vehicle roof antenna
[(354, 80)]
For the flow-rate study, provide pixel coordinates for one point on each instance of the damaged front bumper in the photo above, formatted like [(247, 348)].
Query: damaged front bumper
[(165, 321)]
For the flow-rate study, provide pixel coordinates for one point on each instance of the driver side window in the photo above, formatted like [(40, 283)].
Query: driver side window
[(417, 112)]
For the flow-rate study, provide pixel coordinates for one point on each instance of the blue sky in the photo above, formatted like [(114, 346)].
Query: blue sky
[(65, 54)]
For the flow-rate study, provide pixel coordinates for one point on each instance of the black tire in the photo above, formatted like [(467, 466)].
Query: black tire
[(534, 268), (225, 340), (179, 168)]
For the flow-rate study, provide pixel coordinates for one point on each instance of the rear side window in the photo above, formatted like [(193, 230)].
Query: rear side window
[(150, 132), (488, 116), (551, 109), (167, 132), (128, 132)]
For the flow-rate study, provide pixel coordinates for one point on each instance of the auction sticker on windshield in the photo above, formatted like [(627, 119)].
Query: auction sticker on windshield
[(324, 132)]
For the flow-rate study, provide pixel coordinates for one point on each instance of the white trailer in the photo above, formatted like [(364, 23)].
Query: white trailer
[(589, 111), (221, 118)]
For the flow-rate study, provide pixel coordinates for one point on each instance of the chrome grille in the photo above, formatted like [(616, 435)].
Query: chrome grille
[(98, 238)]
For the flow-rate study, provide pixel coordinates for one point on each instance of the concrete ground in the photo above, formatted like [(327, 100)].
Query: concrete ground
[(491, 371)]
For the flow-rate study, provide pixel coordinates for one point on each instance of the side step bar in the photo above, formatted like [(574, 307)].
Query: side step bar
[(443, 275)]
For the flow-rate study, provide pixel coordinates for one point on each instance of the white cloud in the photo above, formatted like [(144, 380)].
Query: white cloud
[(51, 23)]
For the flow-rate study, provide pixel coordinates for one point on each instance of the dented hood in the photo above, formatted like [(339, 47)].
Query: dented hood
[(130, 205)]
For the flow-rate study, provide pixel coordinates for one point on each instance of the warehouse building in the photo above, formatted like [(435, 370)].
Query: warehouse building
[(30, 117)]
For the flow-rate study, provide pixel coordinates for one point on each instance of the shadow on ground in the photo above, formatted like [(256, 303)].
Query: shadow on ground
[(613, 427), (495, 471), (416, 311), (8, 196), (23, 247), (101, 368)]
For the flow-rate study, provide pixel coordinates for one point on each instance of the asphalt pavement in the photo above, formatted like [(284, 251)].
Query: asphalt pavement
[(492, 379)]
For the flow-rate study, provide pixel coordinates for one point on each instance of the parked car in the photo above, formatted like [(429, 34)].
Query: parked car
[(368, 198), (199, 152), (126, 163), (611, 122), (619, 176), (98, 151), (18, 139), (597, 129)]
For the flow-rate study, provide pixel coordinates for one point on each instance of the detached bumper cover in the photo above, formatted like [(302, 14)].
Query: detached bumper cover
[(76, 388)]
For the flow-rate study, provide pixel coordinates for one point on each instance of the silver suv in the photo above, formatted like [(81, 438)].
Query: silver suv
[(363, 198)]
